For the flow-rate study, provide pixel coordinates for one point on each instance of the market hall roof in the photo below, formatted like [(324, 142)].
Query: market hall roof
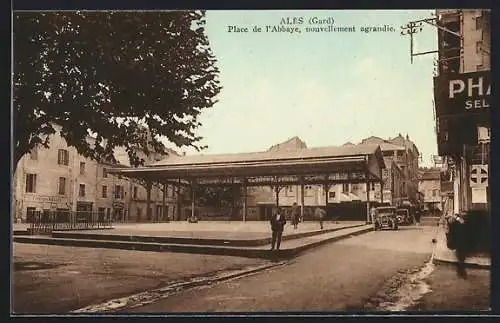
[(304, 161)]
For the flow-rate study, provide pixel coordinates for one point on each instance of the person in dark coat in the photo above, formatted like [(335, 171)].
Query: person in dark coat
[(295, 215), (457, 239), (418, 214), (278, 222)]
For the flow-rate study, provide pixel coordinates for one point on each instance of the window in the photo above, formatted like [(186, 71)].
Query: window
[(104, 191), (478, 20), (479, 44), (30, 183), (135, 192), (81, 191), (434, 192), (159, 214), (62, 157), (373, 186), (62, 185), (100, 213), (30, 214), (104, 173), (34, 153), (331, 195), (345, 187), (289, 191), (119, 192), (82, 168)]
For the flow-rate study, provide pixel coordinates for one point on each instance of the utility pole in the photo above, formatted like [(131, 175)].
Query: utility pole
[(409, 29), (414, 27)]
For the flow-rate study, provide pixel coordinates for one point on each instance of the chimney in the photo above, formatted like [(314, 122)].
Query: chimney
[(407, 137)]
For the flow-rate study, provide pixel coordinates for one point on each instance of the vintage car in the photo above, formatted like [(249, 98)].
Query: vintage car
[(403, 216), (385, 217)]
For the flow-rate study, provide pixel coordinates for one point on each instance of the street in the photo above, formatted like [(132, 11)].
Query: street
[(376, 271), (338, 276), (59, 279)]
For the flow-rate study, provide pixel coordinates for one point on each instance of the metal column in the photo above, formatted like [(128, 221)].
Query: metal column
[(277, 190), (381, 191), (368, 220), (244, 200), (302, 198), (193, 196), (163, 201)]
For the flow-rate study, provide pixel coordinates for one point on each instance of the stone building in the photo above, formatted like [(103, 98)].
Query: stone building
[(430, 186), (462, 87), (59, 180)]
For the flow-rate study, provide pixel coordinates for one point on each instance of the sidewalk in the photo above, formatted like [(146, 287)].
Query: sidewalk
[(289, 248), (256, 234), (443, 255)]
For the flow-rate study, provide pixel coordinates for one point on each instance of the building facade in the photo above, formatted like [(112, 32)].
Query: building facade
[(59, 180), (462, 104), (401, 158), (400, 181), (430, 186)]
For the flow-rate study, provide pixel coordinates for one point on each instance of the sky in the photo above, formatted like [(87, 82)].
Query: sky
[(326, 88)]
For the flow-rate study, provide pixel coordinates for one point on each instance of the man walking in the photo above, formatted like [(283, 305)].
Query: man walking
[(320, 214), (278, 221), (372, 214), (295, 215), (457, 239)]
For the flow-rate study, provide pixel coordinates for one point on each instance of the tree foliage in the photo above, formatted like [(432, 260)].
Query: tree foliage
[(111, 73)]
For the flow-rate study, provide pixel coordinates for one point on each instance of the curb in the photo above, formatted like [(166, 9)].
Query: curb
[(123, 303), (299, 250), (192, 249), (439, 261), (467, 264), (190, 241)]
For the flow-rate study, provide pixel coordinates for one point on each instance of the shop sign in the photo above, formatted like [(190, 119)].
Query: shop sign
[(45, 199), (479, 176), (458, 94)]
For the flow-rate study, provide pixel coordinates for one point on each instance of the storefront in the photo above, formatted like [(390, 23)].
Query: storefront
[(43, 207), (463, 123)]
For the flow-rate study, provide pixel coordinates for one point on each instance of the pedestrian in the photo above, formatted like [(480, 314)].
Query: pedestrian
[(417, 217), (278, 222), (295, 215), (372, 214), (456, 238), (320, 214)]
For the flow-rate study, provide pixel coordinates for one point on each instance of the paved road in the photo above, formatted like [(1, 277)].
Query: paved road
[(338, 276), (58, 279)]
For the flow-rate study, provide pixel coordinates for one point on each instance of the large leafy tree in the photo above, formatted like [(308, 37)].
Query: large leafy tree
[(111, 74)]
